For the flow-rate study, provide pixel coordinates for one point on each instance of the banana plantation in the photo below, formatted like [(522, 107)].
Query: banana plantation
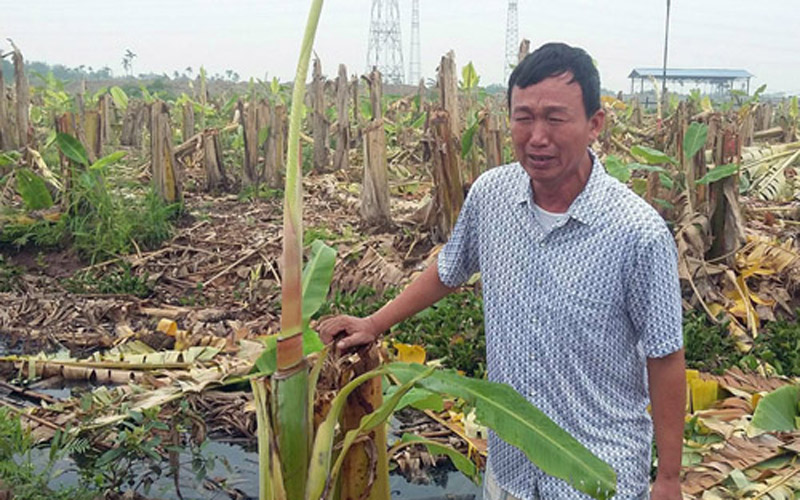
[(166, 253)]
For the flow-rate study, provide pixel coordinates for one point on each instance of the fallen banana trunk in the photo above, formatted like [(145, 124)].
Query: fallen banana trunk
[(95, 372), (769, 133)]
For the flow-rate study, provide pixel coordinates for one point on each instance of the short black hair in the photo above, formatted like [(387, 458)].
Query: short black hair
[(554, 59)]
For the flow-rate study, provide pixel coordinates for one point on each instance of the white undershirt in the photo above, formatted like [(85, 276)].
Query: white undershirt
[(548, 220)]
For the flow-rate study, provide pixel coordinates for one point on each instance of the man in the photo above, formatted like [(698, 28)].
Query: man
[(581, 297)]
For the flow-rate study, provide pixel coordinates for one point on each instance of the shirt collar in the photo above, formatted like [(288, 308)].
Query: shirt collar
[(586, 205)]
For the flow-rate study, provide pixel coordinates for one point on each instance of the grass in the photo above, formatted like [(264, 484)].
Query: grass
[(317, 233), (100, 223), (260, 192), (9, 275), (116, 280), (19, 473)]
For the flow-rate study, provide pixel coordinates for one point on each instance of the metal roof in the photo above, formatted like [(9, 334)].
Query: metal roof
[(688, 74)]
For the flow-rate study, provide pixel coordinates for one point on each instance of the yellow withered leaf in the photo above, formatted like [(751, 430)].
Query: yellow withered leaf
[(704, 393), (182, 341), (167, 326), (690, 375), (410, 353), (716, 308), (613, 102)]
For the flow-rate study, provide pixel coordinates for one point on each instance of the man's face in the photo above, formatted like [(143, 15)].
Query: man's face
[(550, 130)]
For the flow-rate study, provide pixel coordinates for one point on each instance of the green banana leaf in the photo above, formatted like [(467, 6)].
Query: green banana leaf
[(519, 423), (694, 139), (72, 149), (651, 156), (120, 98), (108, 160), (33, 190), (777, 410), (317, 277), (718, 173), (617, 169)]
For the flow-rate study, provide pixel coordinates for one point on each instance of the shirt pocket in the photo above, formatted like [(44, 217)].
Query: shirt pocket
[(586, 318)]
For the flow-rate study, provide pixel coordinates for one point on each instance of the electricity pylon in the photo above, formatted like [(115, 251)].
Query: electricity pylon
[(512, 39), (414, 56), (385, 50)]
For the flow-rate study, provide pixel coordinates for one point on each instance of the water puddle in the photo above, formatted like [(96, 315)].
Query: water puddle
[(233, 468)]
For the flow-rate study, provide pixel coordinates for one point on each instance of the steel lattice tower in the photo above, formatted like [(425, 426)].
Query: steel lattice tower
[(414, 57), (385, 50), (512, 39)]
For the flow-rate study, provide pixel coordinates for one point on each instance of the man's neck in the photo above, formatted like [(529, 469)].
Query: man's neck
[(556, 197)]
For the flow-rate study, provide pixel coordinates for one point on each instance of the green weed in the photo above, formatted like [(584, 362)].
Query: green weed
[(450, 330), (118, 280), (103, 223), (9, 275), (260, 192), (41, 233), (317, 233), (708, 347), (779, 345), (18, 470)]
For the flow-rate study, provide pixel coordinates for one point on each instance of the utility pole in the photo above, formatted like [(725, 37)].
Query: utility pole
[(414, 57), (512, 39), (666, 44), (385, 51)]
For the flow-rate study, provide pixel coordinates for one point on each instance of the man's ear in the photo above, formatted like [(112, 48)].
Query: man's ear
[(596, 123)]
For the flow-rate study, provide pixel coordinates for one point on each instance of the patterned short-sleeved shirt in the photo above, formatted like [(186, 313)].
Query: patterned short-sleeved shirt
[(571, 316)]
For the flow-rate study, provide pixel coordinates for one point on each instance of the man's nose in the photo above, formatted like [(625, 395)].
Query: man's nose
[(540, 135)]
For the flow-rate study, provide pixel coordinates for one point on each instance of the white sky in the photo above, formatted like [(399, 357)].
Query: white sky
[(253, 37)]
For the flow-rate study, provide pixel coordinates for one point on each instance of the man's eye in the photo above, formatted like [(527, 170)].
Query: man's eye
[(522, 119), (556, 119)]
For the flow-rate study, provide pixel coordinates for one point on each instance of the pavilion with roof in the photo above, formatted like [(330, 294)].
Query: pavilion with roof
[(721, 80)]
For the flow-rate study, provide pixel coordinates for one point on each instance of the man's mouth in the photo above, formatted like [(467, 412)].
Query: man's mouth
[(541, 158)]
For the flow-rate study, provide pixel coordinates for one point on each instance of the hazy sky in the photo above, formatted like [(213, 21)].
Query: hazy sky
[(253, 37)]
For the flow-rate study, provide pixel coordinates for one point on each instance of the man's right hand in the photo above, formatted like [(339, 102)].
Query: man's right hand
[(348, 331)]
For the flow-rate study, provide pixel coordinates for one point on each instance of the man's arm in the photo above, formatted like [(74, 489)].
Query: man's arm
[(423, 292), (667, 381)]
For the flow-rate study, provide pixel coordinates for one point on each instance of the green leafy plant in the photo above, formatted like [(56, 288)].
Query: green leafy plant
[(116, 280), (135, 460), (100, 222), (33, 190), (778, 410), (779, 345), (9, 275), (708, 347), (27, 477)]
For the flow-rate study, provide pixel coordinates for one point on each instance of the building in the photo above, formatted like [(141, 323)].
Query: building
[(717, 81)]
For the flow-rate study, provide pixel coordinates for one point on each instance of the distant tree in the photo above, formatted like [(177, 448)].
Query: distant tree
[(188, 70), (127, 61)]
